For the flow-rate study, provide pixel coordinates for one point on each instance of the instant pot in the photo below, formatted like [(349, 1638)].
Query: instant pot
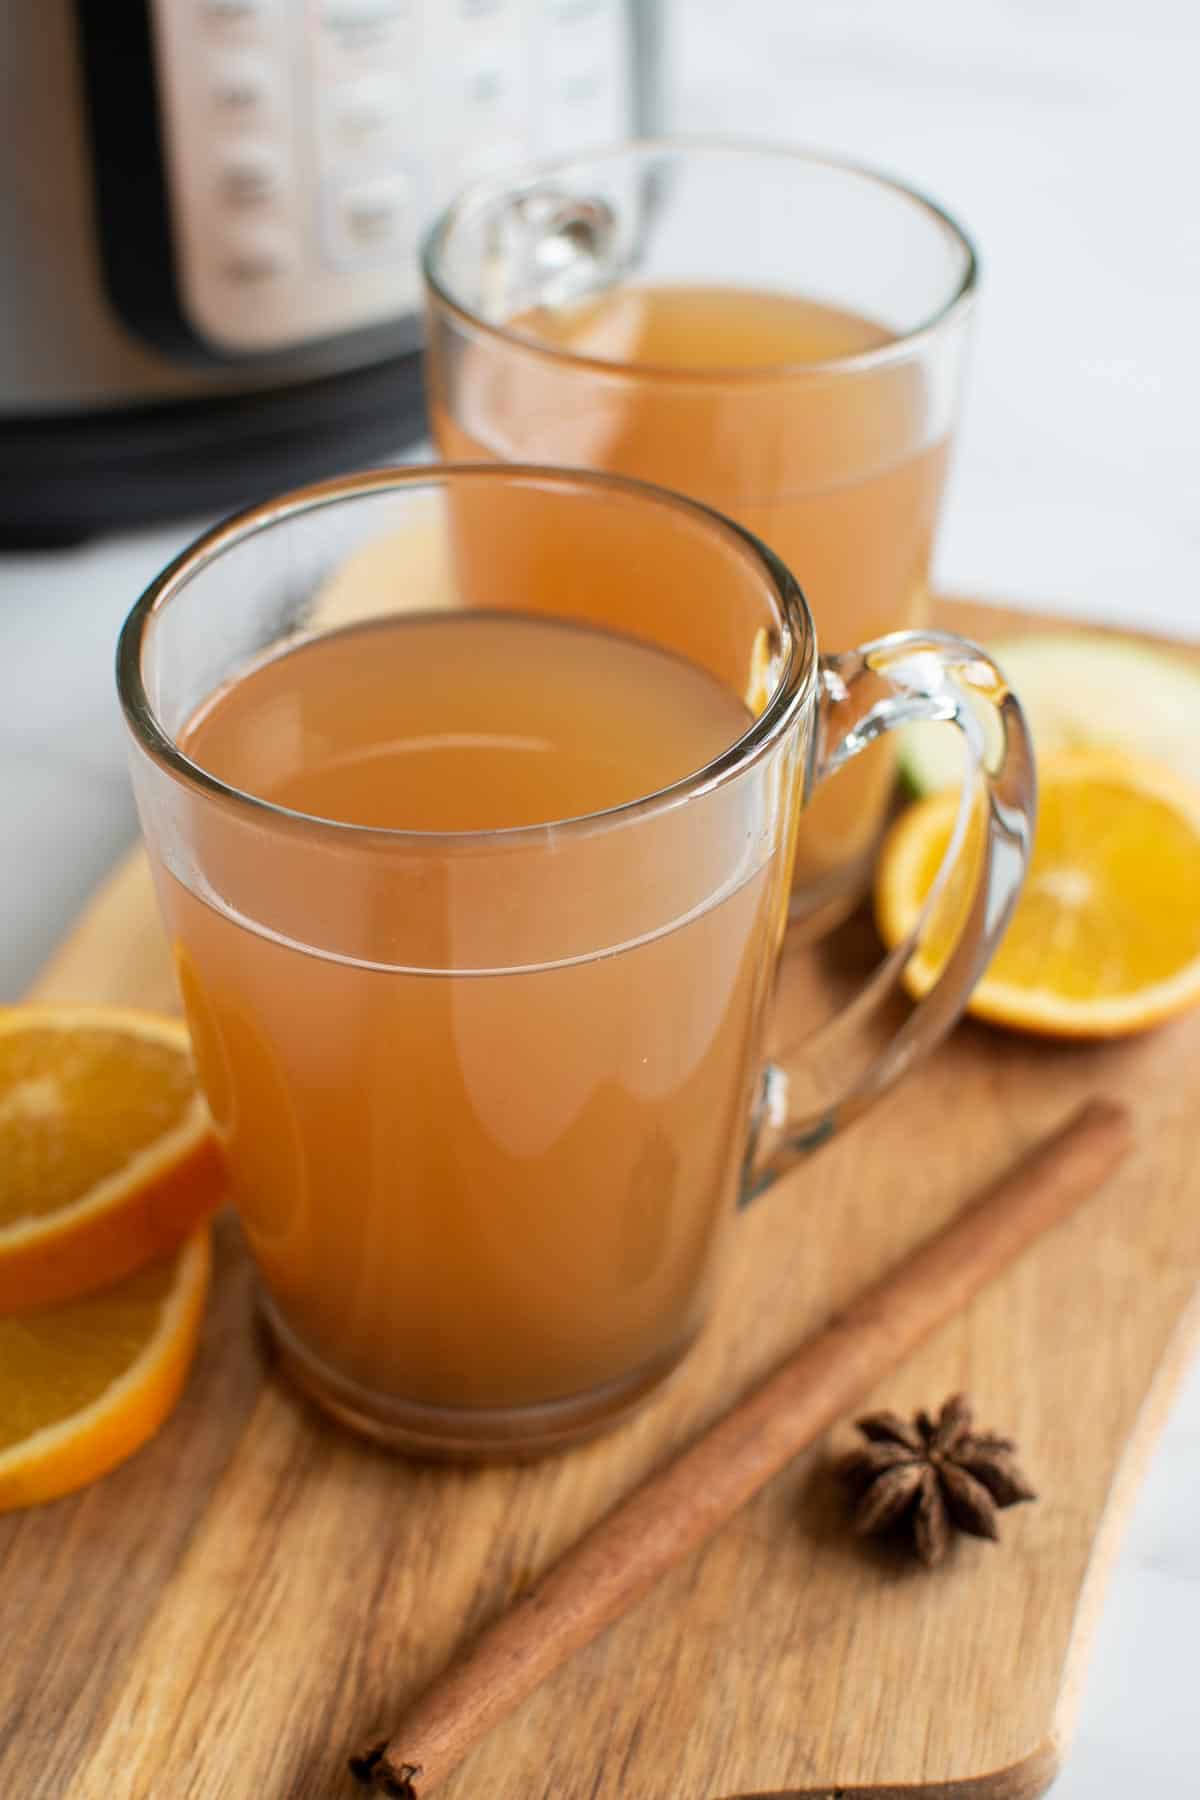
[(209, 220)]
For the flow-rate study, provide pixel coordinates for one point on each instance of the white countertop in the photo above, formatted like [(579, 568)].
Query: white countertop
[(1057, 132)]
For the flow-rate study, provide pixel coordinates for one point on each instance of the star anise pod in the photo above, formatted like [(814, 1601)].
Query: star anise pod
[(932, 1477)]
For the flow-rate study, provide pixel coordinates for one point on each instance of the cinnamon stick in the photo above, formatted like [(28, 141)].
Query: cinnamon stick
[(675, 1510)]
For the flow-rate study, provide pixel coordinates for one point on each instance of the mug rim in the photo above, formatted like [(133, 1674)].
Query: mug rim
[(897, 349), (793, 692)]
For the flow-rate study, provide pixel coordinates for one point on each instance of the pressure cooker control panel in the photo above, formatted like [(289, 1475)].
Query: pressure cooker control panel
[(295, 149)]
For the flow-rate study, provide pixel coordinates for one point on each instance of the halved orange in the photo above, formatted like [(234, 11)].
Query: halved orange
[(107, 1155), (1105, 939), (84, 1385)]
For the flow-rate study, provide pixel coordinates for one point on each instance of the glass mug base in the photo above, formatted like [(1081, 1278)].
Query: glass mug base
[(464, 1434)]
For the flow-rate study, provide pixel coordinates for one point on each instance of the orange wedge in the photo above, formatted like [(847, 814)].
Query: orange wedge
[(107, 1156), (82, 1386), (1105, 939)]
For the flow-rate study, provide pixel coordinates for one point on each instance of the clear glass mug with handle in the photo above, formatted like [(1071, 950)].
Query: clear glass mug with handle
[(774, 332), (490, 1097)]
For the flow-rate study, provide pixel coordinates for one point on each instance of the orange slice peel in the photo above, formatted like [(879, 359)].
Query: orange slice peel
[(107, 1155), (1105, 939), (84, 1385)]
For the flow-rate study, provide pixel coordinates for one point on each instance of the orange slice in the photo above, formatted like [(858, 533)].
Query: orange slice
[(82, 1386), (107, 1157), (1105, 939)]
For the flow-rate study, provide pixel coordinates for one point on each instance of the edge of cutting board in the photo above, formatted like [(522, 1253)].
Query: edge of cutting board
[(1034, 1774)]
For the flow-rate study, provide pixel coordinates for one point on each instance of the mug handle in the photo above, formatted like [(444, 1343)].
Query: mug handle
[(880, 687)]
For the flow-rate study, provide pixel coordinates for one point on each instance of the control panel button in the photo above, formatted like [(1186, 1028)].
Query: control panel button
[(585, 53), (243, 89), (355, 30), (371, 116), (250, 177), (238, 18), (495, 79), (350, 15), (253, 259), (373, 219)]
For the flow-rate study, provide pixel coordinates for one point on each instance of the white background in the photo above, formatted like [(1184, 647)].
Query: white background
[(1065, 138)]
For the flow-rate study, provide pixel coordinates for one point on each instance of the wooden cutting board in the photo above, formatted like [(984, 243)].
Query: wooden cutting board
[(255, 1595)]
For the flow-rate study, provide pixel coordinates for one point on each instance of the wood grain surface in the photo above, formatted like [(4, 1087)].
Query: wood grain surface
[(255, 1595)]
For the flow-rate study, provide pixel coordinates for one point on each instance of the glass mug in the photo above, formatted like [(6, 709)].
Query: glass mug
[(777, 334), (490, 1096)]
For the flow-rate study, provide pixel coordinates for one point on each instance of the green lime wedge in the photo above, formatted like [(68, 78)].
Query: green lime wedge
[(1080, 690)]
